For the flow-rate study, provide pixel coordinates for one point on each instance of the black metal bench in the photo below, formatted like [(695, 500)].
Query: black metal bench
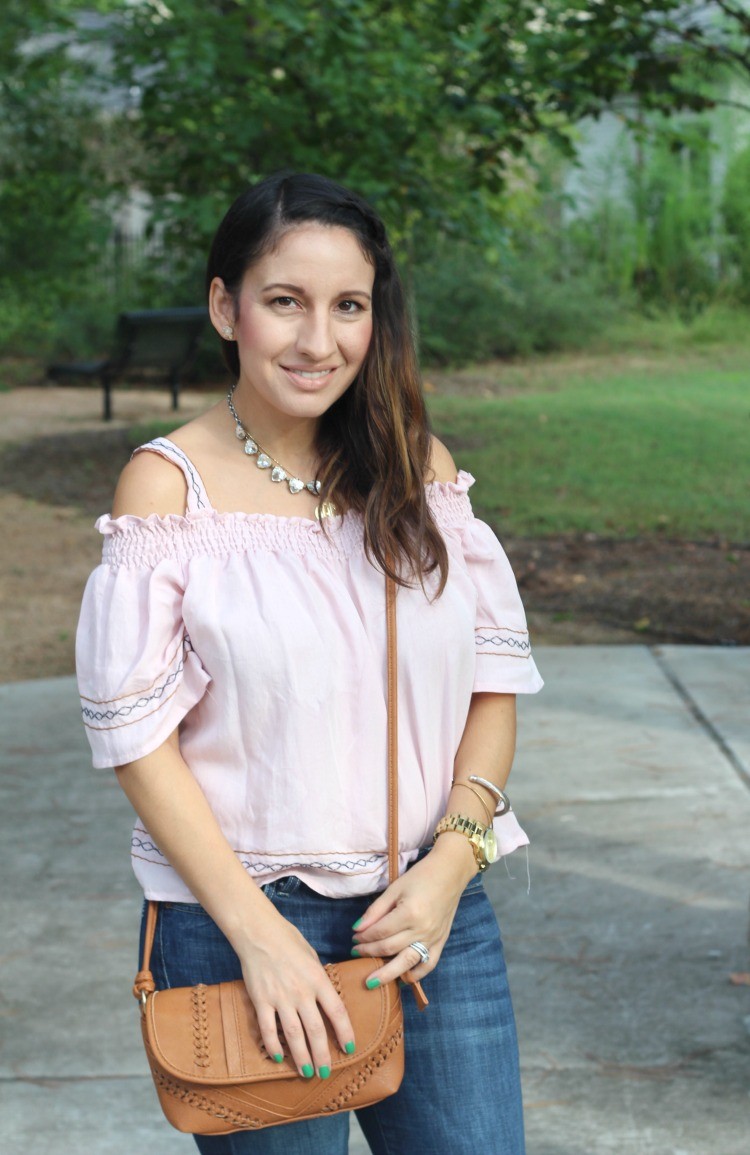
[(165, 340)]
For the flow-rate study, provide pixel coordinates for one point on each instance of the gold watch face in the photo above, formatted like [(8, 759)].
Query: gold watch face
[(491, 852)]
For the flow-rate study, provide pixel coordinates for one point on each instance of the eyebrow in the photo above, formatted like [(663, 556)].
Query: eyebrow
[(301, 292)]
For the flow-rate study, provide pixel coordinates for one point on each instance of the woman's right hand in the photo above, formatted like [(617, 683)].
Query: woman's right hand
[(288, 986)]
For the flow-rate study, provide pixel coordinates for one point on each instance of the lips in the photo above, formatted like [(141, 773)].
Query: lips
[(309, 378), (311, 373)]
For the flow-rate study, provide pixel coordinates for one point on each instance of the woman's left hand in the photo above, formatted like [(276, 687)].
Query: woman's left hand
[(418, 907)]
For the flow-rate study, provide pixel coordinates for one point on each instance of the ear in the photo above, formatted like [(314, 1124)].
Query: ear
[(221, 309)]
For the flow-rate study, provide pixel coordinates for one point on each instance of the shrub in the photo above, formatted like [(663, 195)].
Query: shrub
[(469, 309), (735, 210)]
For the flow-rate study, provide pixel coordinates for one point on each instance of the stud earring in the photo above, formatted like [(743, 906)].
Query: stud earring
[(228, 331)]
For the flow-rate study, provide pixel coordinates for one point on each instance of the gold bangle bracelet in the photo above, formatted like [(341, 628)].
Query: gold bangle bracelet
[(485, 807)]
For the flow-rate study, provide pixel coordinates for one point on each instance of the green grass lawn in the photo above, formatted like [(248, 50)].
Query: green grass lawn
[(600, 444), (663, 449)]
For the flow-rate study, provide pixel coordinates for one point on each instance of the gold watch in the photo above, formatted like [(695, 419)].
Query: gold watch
[(482, 838)]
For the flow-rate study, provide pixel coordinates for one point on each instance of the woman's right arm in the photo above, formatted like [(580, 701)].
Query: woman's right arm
[(281, 970), (282, 973)]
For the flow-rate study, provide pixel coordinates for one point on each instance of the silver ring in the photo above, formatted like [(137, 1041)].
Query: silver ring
[(422, 951)]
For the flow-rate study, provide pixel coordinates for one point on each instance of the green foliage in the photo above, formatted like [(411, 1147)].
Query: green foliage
[(427, 108), (671, 196), (653, 226), (421, 106), (721, 328), (50, 222), (613, 451), (735, 208), (529, 300)]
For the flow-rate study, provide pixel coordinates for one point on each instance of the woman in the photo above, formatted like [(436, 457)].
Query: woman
[(231, 660)]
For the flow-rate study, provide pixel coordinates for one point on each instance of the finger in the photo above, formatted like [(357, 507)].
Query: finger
[(296, 1039), (384, 947), (317, 1039), (269, 1033), (395, 921), (406, 961), (382, 905), (334, 1007)]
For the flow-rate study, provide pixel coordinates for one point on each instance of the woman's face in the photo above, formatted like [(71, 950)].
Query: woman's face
[(302, 321)]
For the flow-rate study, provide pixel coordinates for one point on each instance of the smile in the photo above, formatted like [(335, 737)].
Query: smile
[(310, 374)]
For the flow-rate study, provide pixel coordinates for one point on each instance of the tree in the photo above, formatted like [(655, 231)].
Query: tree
[(735, 210), (424, 107), (420, 106), (49, 175)]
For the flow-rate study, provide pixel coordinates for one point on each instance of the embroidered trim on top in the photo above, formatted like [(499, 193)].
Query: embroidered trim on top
[(344, 865), (159, 694), (348, 866), (502, 642)]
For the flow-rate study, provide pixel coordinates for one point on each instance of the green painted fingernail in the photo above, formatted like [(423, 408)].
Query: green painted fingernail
[(324, 1072), (349, 1048), (355, 953), (278, 1058), (356, 924), (307, 1071), (372, 983)]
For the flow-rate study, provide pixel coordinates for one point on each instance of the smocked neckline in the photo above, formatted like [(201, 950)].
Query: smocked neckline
[(191, 516)]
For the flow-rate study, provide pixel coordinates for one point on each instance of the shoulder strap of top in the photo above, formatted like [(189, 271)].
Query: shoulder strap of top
[(197, 497)]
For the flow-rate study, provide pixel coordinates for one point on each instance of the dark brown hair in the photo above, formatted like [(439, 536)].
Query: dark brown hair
[(374, 441)]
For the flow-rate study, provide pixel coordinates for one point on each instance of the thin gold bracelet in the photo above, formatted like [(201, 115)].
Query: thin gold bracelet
[(478, 795)]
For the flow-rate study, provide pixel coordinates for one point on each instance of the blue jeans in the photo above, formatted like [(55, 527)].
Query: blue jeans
[(461, 1092)]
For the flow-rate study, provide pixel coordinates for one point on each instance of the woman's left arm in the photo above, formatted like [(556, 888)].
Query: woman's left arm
[(421, 904)]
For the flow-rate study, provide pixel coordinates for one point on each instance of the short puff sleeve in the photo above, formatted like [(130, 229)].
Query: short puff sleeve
[(504, 664), (138, 675), (503, 651)]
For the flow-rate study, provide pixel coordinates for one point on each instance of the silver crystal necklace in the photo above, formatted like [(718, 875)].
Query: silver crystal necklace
[(264, 460)]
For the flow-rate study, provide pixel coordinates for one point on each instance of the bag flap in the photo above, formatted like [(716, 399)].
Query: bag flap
[(210, 1034)]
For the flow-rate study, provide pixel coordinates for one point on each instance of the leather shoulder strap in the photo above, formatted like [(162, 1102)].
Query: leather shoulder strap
[(390, 613)]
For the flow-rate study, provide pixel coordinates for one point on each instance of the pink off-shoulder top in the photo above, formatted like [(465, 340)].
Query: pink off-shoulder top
[(263, 638)]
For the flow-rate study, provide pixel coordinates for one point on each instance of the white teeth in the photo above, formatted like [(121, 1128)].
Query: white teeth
[(312, 376)]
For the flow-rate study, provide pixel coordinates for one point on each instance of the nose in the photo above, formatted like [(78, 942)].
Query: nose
[(315, 336)]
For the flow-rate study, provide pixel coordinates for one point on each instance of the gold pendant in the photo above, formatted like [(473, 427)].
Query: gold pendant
[(325, 509)]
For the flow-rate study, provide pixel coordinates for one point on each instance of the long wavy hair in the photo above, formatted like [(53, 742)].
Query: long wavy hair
[(374, 441)]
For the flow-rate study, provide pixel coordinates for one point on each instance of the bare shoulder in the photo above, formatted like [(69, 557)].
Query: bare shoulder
[(441, 466), (149, 484)]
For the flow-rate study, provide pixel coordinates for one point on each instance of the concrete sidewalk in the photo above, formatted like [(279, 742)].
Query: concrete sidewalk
[(633, 781)]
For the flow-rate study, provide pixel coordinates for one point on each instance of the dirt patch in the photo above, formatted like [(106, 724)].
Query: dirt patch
[(645, 589), (59, 464)]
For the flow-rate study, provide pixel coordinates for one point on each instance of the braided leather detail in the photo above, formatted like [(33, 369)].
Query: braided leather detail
[(204, 1103), (201, 1055), (365, 1072), (333, 974)]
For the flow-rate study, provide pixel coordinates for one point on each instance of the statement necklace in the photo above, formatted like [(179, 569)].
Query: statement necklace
[(264, 460)]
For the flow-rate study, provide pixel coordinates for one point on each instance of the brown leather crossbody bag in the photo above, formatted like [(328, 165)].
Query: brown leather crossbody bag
[(212, 1072)]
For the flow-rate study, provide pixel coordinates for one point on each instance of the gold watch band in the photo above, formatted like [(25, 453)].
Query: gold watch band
[(471, 829)]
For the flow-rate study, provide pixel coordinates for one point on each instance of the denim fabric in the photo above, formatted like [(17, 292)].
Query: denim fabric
[(461, 1092)]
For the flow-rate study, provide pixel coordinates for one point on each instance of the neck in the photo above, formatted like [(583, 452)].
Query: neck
[(290, 440)]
